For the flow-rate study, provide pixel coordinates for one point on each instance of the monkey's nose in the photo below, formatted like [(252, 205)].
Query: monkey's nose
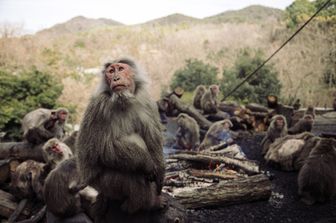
[(116, 78)]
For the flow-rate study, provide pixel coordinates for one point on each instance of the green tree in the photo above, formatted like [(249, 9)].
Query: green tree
[(263, 83), (329, 10), (23, 93), (299, 11), (193, 74)]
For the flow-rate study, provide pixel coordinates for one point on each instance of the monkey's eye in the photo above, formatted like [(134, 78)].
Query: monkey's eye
[(121, 68), (112, 70)]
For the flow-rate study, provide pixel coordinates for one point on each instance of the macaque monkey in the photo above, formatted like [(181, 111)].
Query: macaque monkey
[(119, 145)]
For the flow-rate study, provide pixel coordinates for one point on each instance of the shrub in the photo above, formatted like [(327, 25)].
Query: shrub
[(193, 74), (23, 93), (263, 83)]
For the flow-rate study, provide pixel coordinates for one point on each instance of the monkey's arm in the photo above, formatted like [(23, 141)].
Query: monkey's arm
[(37, 135), (129, 153)]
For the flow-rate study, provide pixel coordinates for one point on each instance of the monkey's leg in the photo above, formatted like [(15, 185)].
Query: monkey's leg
[(143, 196)]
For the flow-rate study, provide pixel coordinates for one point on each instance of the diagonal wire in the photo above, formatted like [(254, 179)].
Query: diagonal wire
[(285, 43)]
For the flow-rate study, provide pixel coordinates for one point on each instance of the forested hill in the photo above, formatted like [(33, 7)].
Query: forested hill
[(73, 50)]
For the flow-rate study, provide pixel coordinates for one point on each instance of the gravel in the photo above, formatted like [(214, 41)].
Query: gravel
[(283, 206)]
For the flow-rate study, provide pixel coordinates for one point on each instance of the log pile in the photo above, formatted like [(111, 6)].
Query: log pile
[(213, 178)]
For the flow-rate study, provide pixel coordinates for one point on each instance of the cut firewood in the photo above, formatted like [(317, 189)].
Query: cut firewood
[(240, 190), (17, 211), (212, 175), (8, 206), (21, 151), (37, 217), (248, 166)]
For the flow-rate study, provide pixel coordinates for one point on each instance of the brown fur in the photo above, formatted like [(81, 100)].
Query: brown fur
[(25, 180), (310, 143), (317, 177), (198, 93), (310, 111), (273, 132), (58, 194), (211, 137), (187, 135), (119, 145), (71, 140), (284, 151), (209, 100), (42, 124), (303, 125)]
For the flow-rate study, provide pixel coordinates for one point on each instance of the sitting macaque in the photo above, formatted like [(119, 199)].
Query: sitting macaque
[(219, 132), (303, 125), (168, 102), (26, 180), (55, 151), (209, 100), (285, 152), (310, 111), (272, 101), (277, 129), (297, 104), (187, 136), (61, 195), (317, 177), (119, 145), (163, 108), (42, 124), (198, 93)]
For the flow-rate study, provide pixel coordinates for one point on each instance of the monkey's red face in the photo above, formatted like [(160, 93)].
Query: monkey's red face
[(214, 89), (120, 77), (62, 115), (57, 149), (280, 123)]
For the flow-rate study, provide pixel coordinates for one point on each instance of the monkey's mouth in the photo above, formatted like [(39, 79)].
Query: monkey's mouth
[(119, 87)]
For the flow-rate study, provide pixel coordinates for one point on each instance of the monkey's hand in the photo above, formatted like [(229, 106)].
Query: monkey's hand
[(130, 153)]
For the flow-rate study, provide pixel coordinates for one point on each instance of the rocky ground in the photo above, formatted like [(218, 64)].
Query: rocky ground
[(283, 206)]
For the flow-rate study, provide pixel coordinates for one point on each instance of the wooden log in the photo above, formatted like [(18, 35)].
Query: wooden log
[(250, 167), (240, 190), (257, 108), (37, 217), (4, 170), (18, 211), (325, 123), (8, 206), (174, 165), (190, 110), (213, 175), (21, 151)]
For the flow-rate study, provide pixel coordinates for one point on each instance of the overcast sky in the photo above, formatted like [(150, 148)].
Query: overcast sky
[(38, 14)]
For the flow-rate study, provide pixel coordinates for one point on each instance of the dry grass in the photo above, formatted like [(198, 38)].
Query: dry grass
[(161, 50)]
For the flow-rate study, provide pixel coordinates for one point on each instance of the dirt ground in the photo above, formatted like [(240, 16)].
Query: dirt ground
[(283, 206)]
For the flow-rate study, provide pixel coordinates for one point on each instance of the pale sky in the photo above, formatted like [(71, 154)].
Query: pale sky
[(39, 14)]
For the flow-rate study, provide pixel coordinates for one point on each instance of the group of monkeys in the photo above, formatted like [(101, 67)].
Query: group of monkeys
[(115, 160), (314, 157)]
